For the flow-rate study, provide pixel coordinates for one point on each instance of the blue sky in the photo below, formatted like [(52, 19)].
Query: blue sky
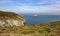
[(31, 6)]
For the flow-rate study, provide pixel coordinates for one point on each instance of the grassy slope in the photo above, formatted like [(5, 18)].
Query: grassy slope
[(50, 29), (11, 15)]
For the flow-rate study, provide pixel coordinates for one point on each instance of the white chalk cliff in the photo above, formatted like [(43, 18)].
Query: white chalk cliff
[(10, 19)]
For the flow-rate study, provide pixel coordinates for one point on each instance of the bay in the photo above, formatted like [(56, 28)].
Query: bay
[(40, 19)]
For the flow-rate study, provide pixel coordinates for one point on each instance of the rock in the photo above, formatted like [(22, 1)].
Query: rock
[(10, 19)]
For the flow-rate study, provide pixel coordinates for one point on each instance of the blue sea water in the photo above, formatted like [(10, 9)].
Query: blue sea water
[(40, 19)]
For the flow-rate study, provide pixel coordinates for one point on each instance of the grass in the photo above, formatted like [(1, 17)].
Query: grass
[(10, 15), (50, 29)]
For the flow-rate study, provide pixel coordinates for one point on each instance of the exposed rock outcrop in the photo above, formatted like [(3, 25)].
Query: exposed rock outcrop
[(10, 19)]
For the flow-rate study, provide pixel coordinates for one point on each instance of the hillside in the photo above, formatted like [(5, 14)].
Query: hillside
[(49, 29), (10, 19)]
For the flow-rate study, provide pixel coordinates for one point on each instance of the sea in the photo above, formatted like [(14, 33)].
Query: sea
[(39, 19)]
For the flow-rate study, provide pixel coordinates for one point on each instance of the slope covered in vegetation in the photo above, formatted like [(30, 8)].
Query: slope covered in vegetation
[(49, 29)]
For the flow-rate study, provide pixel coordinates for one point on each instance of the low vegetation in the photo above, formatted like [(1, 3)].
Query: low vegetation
[(50, 29)]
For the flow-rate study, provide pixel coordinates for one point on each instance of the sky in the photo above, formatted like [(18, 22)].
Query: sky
[(51, 7)]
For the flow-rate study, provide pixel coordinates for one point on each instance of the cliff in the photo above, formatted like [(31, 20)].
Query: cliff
[(10, 19)]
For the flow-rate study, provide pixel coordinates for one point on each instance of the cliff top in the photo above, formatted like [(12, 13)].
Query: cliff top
[(10, 15)]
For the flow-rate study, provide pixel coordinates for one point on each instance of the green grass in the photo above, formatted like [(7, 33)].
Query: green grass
[(49, 29)]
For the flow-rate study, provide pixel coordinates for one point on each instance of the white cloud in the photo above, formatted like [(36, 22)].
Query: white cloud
[(34, 9), (53, 8), (38, 9)]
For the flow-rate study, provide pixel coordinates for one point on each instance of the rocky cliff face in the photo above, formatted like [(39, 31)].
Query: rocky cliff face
[(10, 19)]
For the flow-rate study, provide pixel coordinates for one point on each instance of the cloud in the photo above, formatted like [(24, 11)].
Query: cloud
[(31, 6)]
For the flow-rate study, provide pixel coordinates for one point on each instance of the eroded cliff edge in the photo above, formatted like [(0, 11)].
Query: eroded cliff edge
[(10, 19)]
